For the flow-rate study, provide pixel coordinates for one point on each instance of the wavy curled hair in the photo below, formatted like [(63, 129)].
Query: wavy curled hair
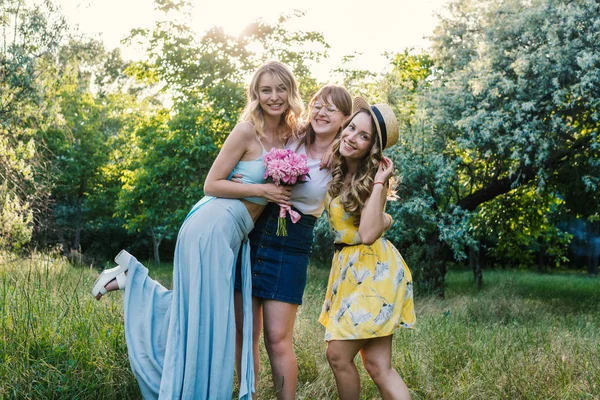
[(340, 97), (354, 193), (253, 113)]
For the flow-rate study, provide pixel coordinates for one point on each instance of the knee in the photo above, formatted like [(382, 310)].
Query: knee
[(375, 369), (278, 341), (336, 359)]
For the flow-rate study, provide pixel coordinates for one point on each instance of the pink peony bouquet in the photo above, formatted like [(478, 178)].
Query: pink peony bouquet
[(285, 167)]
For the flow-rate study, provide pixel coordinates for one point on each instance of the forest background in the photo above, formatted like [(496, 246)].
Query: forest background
[(498, 158), (498, 154)]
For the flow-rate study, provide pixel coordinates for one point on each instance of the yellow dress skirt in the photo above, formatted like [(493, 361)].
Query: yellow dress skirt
[(370, 291)]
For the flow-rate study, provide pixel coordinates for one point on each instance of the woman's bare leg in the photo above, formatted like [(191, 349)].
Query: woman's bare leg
[(377, 359), (340, 355), (279, 320)]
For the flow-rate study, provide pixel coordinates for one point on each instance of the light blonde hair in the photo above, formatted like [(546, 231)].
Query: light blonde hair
[(254, 114), (354, 193), (340, 98)]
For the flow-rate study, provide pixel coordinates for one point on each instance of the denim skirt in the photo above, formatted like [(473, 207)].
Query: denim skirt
[(279, 263)]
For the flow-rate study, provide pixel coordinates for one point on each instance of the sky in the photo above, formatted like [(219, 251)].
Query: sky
[(349, 26)]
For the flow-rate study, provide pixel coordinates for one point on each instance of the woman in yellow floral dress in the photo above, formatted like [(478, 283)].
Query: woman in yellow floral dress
[(370, 291)]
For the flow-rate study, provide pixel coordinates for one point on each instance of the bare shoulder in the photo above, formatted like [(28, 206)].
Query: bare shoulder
[(244, 130)]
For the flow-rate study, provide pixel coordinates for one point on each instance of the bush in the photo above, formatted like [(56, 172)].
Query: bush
[(322, 250)]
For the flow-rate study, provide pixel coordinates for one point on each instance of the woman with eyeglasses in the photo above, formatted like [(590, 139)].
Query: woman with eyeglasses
[(280, 263)]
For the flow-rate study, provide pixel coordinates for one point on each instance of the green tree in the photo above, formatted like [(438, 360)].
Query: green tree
[(521, 227), (165, 176), (205, 78), (87, 110), (28, 33), (513, 104)]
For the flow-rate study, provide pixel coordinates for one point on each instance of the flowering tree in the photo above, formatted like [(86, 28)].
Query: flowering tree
[(509, 110)]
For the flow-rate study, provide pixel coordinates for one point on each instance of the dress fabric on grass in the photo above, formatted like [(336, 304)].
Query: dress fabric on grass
[(181, 342)]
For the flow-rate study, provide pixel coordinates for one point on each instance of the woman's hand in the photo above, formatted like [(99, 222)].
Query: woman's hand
[(326, 158), (277, 194), (237, 178), (385, 170), (270, 191)]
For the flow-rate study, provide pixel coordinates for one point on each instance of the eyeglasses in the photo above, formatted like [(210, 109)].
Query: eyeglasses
[(330, 109)]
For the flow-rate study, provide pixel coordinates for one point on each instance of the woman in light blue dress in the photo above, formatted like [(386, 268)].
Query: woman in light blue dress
[(181, 342)]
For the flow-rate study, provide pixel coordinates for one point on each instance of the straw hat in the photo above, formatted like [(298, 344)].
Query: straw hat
[(385, 120)]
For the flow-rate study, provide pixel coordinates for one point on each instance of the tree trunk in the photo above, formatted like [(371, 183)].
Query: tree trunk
[(593, 244), (434, 266), (63, 242), (78, 222), (156, 239), (525, 174), (541, 253), (475, 262)]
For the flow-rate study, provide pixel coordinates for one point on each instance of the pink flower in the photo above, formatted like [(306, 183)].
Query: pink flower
[(284, 166)]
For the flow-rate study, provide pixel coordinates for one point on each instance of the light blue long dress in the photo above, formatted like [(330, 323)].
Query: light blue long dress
[(181, 342)]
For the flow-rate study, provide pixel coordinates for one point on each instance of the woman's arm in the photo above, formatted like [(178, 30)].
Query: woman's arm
[(373, 220), (235, 147)]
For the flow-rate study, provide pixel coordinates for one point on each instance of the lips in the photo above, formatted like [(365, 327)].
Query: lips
[(348, 146)]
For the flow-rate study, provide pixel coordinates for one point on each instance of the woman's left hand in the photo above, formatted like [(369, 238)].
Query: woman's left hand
[(385, 170)]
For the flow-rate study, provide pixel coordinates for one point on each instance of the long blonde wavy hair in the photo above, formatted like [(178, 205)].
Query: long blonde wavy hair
[(356, 191), (254, 114)]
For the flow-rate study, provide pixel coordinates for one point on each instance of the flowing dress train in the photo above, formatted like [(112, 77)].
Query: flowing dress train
[(181, 342)]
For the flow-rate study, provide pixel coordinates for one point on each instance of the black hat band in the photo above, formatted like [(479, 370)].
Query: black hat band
[(381, 123)]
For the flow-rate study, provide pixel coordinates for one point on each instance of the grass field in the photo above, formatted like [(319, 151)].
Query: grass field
[(523, 336)]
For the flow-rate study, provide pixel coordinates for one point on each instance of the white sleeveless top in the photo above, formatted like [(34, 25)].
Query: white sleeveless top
[(309, 197)]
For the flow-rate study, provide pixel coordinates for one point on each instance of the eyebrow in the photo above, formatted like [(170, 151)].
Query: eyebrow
[(368, 133), (281, 86)]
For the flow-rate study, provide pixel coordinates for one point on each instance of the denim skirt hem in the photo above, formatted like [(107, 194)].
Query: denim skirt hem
[(280, 263)]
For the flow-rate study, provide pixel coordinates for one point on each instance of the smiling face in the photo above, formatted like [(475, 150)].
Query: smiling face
[(325, 117), (358, 137), (272, 95)]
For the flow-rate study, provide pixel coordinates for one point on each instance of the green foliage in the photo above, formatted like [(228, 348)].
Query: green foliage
[(509, 99), (87, 112), (517, 99), (499, 127), (521, 224), (173, 150), (428, 227), (28, 32), (359, 82), (322, 247), (169, 156), (15, 220)]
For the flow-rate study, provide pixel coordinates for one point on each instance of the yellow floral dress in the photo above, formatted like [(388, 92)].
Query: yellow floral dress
[(370, 291)]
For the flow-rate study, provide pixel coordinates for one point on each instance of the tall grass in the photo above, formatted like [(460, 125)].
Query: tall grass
[(523, 336)]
